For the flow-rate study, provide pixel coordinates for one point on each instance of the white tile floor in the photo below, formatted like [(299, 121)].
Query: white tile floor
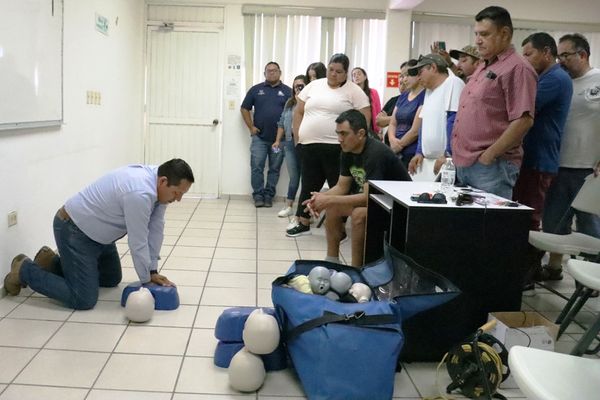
[(221, 253)]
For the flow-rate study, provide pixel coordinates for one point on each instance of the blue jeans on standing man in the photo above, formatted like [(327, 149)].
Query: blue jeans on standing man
[(259, 151), (292, 161), (498, 178), (83, 266)]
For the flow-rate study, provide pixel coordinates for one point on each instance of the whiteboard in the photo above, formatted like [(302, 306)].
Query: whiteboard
[(31, 33)]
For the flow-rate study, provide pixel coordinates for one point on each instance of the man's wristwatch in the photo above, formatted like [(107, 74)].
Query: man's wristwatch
[(153, 272)]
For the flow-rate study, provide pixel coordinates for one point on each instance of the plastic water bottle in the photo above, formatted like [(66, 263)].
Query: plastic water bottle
[(448, 175)]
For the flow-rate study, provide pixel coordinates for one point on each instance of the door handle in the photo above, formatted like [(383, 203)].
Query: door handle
[(215, 122)]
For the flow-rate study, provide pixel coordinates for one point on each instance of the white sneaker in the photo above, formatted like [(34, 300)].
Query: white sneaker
[(293, 223), (286, 212)]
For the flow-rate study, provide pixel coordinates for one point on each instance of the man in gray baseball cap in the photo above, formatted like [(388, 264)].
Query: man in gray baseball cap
[(429, 59)]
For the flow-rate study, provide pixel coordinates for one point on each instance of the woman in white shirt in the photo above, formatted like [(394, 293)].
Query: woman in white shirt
[(319, 104)]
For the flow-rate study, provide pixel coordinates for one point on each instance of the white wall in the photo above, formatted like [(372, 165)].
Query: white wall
[(398, 45), (235, 172), (42, 167)]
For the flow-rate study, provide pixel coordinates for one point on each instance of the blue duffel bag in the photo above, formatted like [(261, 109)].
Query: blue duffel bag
[(349, 351)]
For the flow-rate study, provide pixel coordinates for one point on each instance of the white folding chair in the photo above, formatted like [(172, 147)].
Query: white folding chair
[(587, 274), (545, 375), (574, 244)]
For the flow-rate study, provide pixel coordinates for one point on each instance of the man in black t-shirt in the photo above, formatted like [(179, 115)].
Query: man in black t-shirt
[(362, 159)]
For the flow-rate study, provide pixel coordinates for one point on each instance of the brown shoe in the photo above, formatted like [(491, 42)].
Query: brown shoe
[(12, 282), (44, 257)]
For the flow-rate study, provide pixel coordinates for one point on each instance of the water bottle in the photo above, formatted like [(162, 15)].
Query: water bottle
[(448, 175)]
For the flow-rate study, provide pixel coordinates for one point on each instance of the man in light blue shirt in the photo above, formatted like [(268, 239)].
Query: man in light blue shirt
[(128, 201)]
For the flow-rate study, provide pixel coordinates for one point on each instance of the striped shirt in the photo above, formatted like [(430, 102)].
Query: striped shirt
[(499, 92)]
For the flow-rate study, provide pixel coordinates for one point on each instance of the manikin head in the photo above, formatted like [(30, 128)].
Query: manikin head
[(319, 280), (361, 292)]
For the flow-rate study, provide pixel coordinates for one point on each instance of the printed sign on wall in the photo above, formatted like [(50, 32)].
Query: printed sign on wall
[(393, 78)]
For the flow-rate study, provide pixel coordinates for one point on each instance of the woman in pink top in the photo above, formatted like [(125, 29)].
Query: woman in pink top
[(359, 76)]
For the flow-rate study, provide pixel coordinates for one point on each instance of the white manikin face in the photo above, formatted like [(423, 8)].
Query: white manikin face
[(261, 332), (140, 305), (246, 371), (319, 280)]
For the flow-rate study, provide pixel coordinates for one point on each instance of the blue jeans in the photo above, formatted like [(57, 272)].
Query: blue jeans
[(292, 161), (498, 178), (259, 151), (84, 265), (558, 214)]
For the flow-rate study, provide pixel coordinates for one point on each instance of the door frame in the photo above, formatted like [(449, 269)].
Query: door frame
[(217, 28)]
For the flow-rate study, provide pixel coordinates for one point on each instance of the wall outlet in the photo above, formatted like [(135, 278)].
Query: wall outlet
[(12, 218)]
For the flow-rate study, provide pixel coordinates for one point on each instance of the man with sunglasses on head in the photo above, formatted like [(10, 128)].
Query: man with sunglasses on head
[(496, 109), (438, 112), (267, 99), (579, 151)]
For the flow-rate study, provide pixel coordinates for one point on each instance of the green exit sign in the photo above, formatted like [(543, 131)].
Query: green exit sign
[(102, 24)]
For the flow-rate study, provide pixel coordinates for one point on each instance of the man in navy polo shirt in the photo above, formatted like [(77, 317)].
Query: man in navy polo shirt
[(541, 145), (268, 99)]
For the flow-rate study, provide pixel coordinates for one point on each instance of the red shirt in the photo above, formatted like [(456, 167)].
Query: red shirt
[(498, 92)]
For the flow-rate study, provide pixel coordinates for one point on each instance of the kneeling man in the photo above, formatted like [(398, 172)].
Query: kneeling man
[(130, 201), (362, 159)]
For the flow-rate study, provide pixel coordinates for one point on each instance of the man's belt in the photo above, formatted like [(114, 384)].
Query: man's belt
[(62, 214)]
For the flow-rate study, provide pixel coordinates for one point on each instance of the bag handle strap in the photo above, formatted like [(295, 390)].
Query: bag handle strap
[(358, 318)]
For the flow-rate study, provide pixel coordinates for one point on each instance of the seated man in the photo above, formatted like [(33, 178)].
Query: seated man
[(362, 159), (128, 201)]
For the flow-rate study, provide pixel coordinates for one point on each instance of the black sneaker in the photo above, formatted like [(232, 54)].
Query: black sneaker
[(298, 230), (268, 202), (548, 274), (259, 203)]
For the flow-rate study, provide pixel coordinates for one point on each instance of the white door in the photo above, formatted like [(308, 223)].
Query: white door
[(183, 102)]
